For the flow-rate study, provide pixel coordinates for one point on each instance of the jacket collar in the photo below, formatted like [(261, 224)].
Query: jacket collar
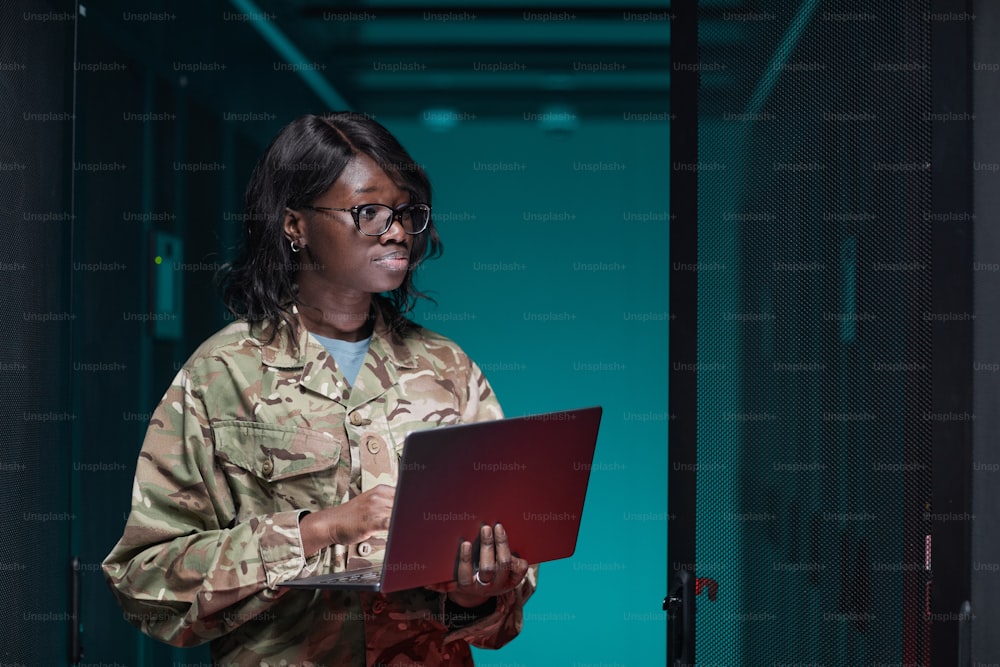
[(282, 353)]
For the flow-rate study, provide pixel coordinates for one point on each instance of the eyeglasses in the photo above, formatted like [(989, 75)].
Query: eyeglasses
[(376, 219)]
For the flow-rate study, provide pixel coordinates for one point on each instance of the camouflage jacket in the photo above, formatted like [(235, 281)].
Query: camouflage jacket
[(248, 437)]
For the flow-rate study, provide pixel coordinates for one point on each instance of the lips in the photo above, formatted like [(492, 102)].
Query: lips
[(394, 261)]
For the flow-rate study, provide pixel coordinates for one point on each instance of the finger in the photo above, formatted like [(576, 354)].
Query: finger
[(518, 570), (503, 557), (487, 556), (464, 575), (374, 518)]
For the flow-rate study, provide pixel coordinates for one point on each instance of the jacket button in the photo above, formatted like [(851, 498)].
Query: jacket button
[(374, 446), (267, 468), (378, 607), (356, 418), (364, 549)]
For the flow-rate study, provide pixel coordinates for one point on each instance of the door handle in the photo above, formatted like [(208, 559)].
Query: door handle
[(680, 608), (75, 603), (965, 635)]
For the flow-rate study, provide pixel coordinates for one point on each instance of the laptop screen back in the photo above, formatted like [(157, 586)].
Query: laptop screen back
[(528, 473)]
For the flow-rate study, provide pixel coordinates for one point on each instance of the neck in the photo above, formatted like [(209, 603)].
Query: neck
[(345, 317)]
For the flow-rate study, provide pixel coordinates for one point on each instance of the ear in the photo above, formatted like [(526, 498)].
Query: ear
[(295, 227)]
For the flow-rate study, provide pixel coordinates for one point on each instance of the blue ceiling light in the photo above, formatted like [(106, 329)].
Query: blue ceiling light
[(558, 118)]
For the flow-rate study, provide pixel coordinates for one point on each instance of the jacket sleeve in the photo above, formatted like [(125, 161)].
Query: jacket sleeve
[(184, 571), (501, 626)]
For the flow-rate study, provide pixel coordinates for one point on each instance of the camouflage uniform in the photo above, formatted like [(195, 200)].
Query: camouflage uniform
[(250, 436)]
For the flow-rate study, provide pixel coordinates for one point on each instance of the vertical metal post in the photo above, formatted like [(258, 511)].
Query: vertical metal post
[(682, 434)]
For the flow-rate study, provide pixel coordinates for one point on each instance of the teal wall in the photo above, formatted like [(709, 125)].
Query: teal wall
[(555, 280)]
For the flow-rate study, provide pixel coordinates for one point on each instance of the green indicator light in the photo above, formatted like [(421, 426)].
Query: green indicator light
[(158, 259)]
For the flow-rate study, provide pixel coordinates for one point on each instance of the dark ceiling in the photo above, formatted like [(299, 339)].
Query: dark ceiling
[(561, 61), (487, 59), (558, 64)]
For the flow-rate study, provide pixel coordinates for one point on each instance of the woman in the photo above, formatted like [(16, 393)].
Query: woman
[(274, 453)]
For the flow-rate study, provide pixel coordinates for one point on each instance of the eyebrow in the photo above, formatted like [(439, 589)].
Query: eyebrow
[(368, 189)]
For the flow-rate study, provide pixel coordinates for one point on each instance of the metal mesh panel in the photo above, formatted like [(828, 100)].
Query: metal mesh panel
[(34, 326), (814, 259)]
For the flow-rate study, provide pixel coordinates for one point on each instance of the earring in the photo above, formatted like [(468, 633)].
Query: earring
[(294, 247)]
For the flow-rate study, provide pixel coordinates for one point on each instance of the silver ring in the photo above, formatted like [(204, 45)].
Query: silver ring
[(478, 580)]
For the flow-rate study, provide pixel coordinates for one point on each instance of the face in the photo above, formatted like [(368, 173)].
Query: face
[(344, 260)]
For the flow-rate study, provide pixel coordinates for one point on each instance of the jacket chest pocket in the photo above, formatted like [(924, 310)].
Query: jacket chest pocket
[(434, 408), (274, 468)]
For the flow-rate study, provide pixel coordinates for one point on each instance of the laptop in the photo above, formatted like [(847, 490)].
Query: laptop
[(528, 473)]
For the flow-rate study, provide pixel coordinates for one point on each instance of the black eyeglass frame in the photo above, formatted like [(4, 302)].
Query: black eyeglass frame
[(395, 214)]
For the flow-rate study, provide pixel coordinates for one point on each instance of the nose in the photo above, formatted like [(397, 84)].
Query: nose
[(396, 232)]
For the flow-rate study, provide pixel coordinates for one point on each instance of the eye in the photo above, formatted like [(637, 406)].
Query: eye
[(368, 213)]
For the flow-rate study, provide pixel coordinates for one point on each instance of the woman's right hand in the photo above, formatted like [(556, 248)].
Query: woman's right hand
[(350, 523)]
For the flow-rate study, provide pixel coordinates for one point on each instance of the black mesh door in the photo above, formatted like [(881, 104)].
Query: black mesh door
[(814, 368), (36, 418)]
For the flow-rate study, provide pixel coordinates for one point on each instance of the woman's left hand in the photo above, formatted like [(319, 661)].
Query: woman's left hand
[(498, 571)]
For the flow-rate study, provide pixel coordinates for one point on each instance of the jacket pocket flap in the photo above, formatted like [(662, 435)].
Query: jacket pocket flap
[(274, 452)]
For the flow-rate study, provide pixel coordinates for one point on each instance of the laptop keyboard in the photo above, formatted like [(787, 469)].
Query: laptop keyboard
[(367, 575)]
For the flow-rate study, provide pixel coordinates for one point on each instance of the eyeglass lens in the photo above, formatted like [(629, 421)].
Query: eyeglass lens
[(375, 219)]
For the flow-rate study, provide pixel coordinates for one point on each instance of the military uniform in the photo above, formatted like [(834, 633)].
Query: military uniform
[(249, 437)]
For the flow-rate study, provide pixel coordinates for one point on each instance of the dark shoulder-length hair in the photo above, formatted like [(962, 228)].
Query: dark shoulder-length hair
[(303, 162)]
